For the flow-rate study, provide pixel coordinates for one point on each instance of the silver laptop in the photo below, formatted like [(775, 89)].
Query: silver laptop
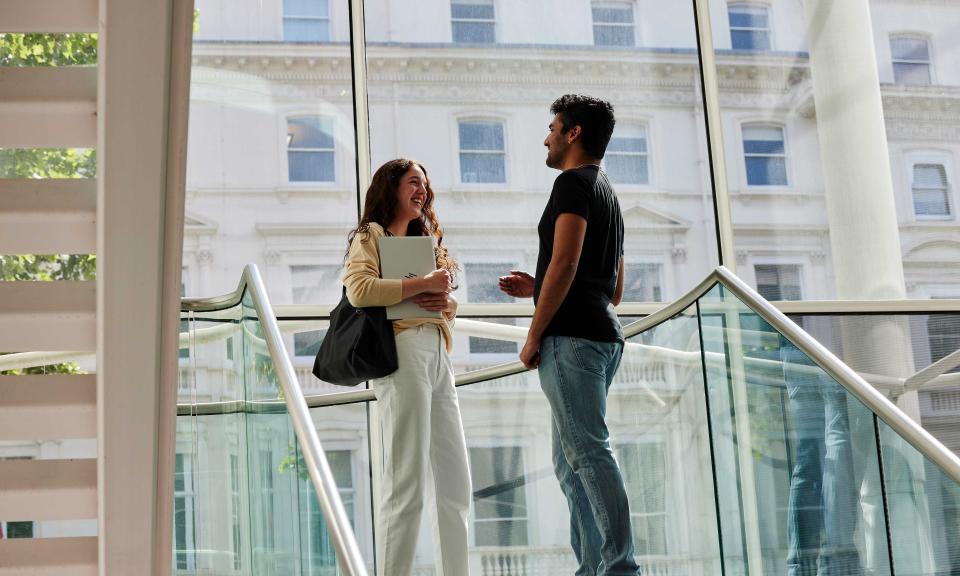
[(407, 257)]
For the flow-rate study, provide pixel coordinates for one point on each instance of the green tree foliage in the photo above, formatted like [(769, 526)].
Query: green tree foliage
[(47, 163), (48, 49)]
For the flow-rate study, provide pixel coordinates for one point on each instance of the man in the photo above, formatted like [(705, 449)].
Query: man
[(575, 338)]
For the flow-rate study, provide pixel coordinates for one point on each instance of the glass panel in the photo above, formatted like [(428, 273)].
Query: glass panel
[(924, 506), (796, 454), (656, 415), (474, 32), (271, 169), (243, 502), (428, 89), (472, 10), (793, 195)]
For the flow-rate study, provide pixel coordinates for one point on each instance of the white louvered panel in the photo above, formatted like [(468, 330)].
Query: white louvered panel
[(48, 125), (48, 216), (48, 557), (50, 15), (47, 316), (48, 407), (48, 84), (48, 489)]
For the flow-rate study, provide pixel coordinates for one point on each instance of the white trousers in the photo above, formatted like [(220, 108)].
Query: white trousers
[(422, 438)]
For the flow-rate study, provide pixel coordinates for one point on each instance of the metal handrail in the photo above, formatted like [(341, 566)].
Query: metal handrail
[(905, 426), (341, 532)]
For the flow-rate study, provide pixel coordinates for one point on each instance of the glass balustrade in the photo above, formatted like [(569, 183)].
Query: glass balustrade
[(741, 455)]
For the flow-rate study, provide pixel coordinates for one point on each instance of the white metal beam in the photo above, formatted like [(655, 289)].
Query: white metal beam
[(49, 16)]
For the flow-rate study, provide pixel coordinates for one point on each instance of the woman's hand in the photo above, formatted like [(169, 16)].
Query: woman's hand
[(438, 282), (437, 303)]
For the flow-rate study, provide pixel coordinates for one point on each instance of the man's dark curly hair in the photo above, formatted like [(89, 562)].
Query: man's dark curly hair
[(593, 115)]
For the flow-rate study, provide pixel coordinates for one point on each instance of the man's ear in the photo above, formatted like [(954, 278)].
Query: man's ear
[(574, 133)]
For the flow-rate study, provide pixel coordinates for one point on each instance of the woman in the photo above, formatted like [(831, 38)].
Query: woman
[(419, 414)]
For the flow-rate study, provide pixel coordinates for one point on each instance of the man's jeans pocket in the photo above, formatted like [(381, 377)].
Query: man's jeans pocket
[(591, 356)]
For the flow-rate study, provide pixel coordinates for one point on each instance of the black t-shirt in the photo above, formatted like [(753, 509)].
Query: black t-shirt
[(587, 311)]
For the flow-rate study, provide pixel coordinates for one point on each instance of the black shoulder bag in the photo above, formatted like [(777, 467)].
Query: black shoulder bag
[(358, 346)]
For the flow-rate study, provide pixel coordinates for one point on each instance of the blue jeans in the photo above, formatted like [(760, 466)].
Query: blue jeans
[(822, 510), (575, 375)]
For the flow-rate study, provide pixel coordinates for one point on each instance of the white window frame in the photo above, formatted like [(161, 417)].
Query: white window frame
[(765, 123), (655, 440), (285, 156), (943, 158), (455, 139), (769, 29), (646, 125), (615, 4), (492, 21), (285, 17), (894, 60)]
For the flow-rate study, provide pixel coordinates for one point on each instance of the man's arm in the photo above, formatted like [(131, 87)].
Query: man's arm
[(618, 293), (569, 232)]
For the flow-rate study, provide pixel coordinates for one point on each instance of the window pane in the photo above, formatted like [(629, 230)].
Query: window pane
[(487, 168), (315, 8), (778, 281), (931, 202), (630, 169), (613, 35), (909, 49), (471, 10), (612, 15), (741, 17), (641, 282), (312, 132), (311, 166), (929, 176), (473, 33), (749, 40), (482, 286), (766, 172), (481, 136), (308, 343), (500, 500), (904, 73), (299, 30)]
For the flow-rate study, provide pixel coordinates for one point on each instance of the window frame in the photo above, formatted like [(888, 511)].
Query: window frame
[(493, 23), (505, 153), (634, 442), (284, 17), (731, 6), (928, 40), (942, 157), (285, 161), (632, 5), (765, 123)]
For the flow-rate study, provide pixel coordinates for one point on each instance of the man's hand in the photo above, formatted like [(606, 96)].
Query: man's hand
[(518, 284), (442, 302), (530, 355)]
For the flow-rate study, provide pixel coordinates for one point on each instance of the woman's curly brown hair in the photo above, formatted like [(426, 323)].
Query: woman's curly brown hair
[(380, 206)]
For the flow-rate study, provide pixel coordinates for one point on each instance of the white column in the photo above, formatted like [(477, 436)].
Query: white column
[(864, 235), (139, 216)]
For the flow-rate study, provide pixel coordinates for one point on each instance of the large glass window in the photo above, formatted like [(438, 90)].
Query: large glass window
[(500, 502), (313, 284), (613, 24), (644, 474), (765, 155), (310, 149), (306, 20), (627, 159), (931, 191), (911, 59), (749, 27), (473, 21), (235, 510), (482, 157)]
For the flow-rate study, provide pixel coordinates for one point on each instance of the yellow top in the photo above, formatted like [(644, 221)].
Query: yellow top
[(365, 287)]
